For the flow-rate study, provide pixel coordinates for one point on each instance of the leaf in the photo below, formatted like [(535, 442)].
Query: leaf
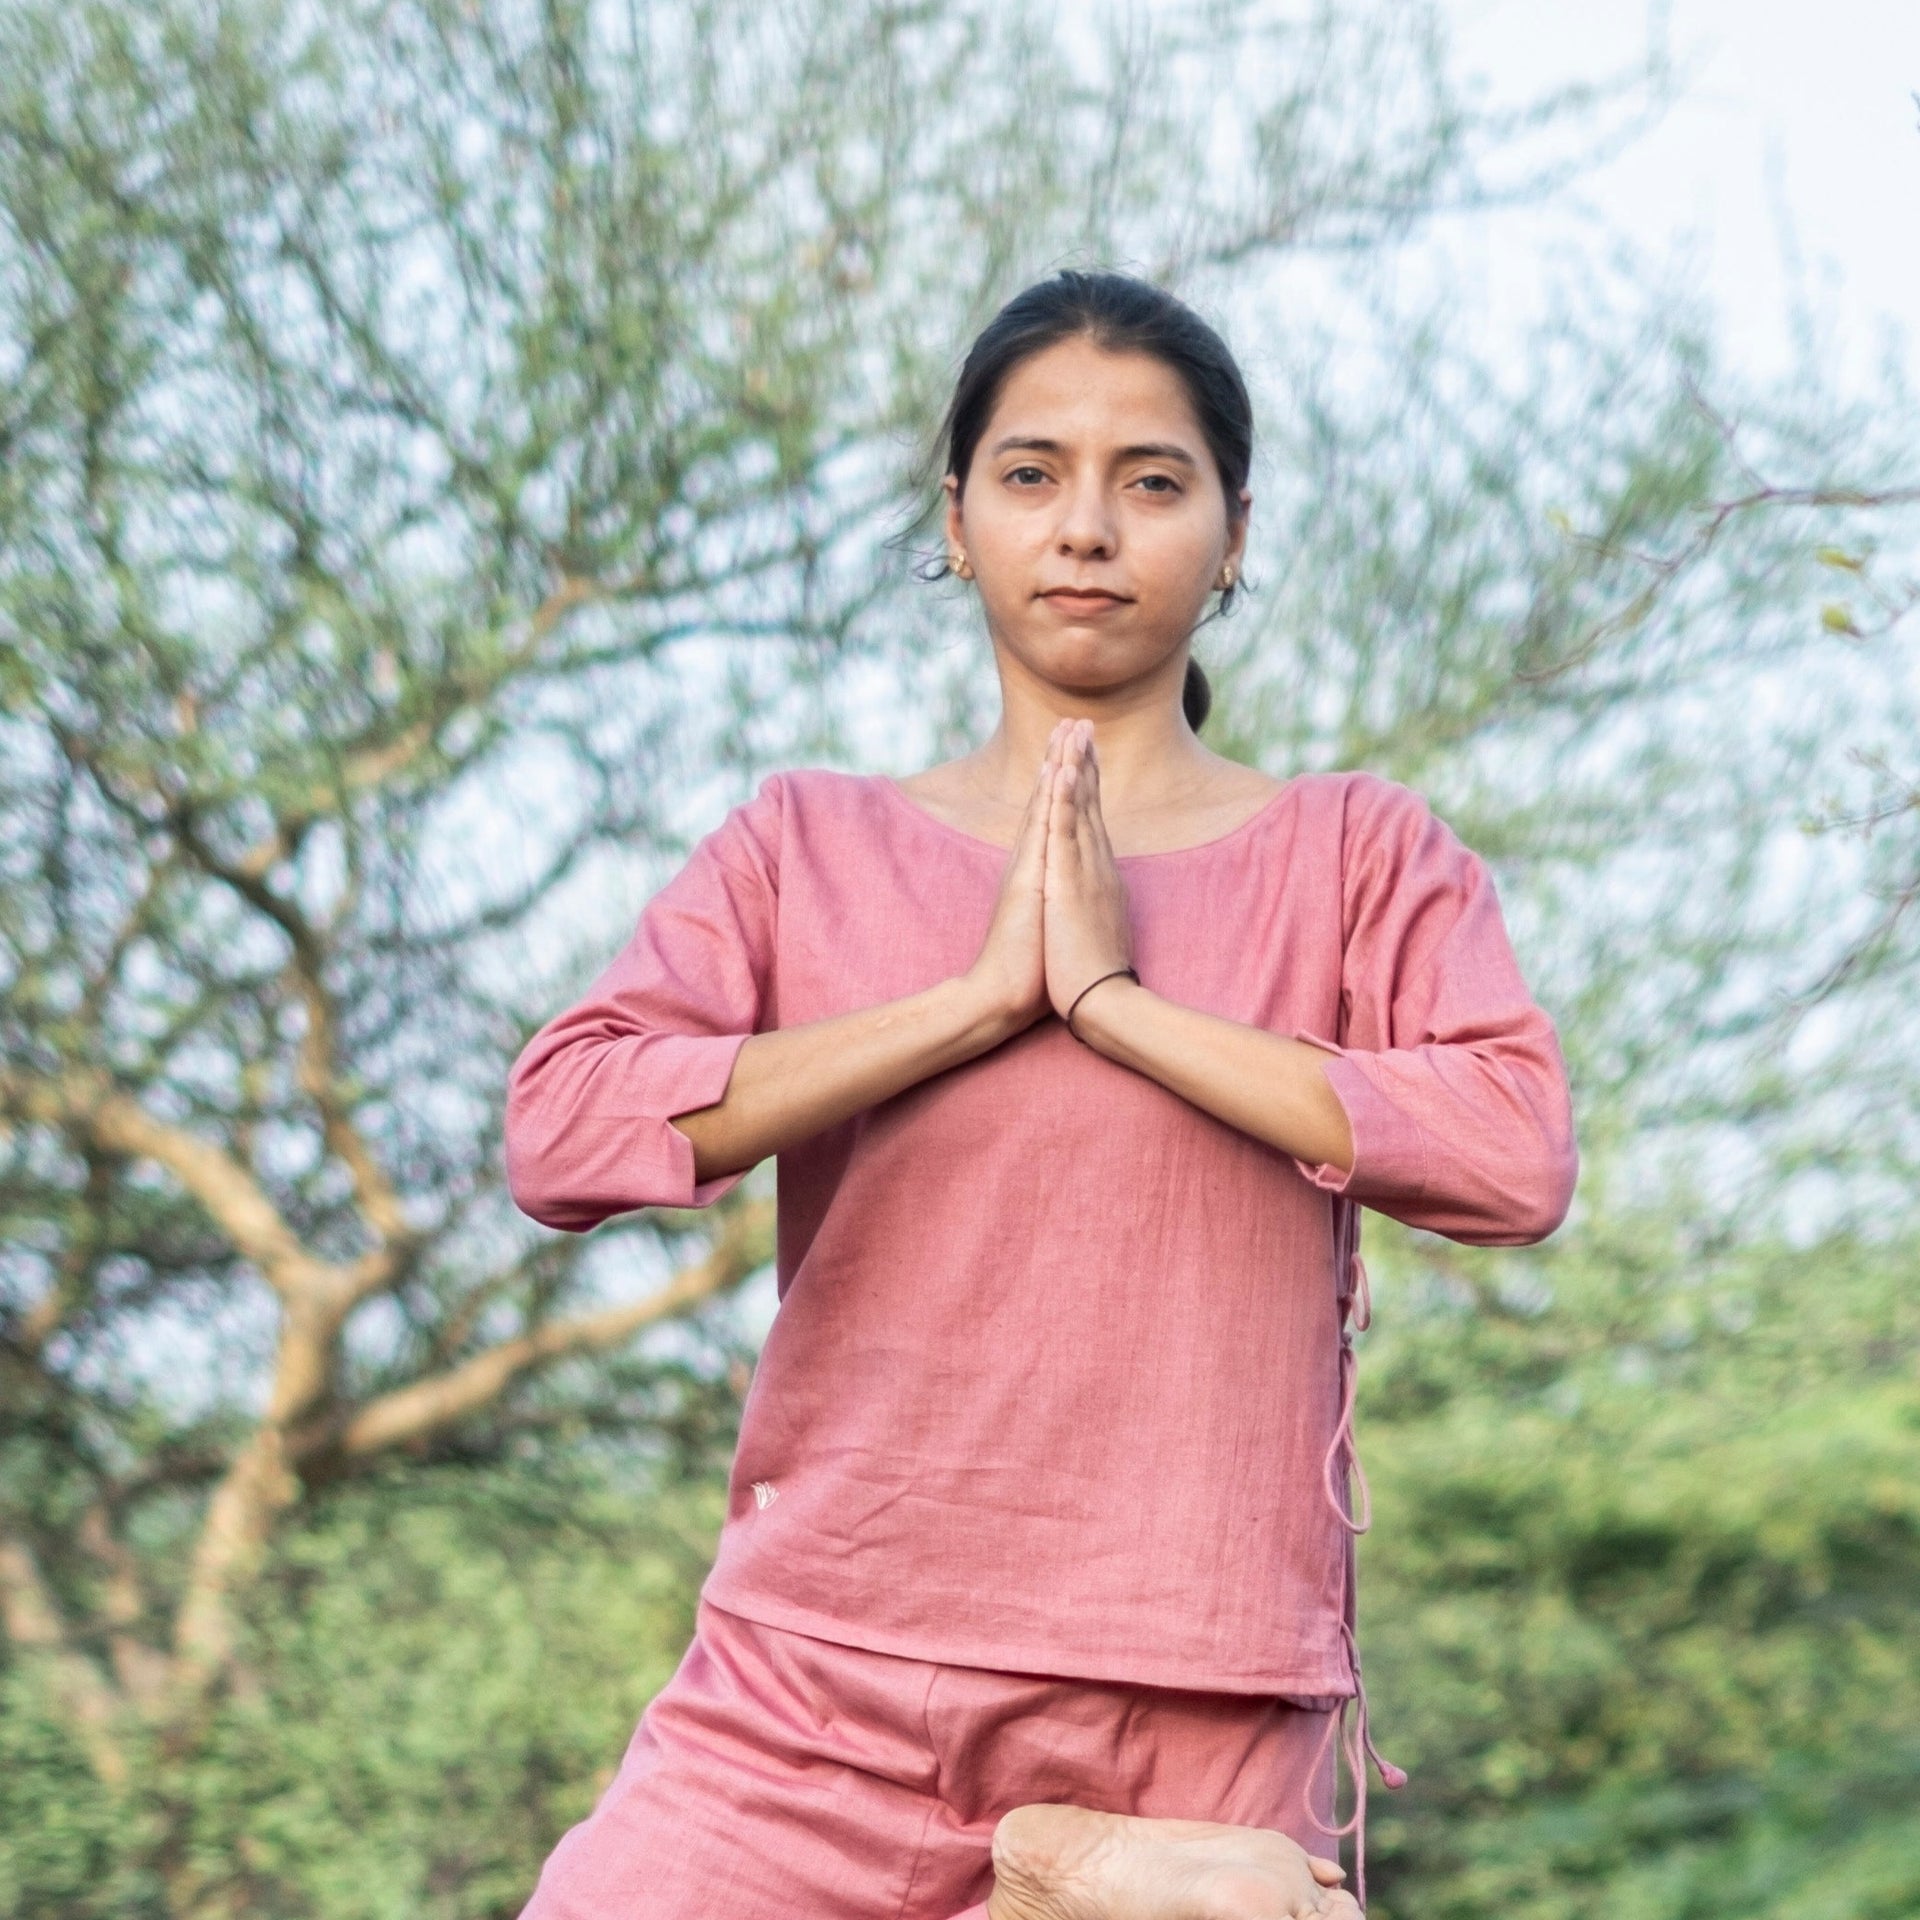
[(1836, 619), (1839, 557)]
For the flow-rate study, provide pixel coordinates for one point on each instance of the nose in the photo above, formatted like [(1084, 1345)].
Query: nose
[(1087, 529)]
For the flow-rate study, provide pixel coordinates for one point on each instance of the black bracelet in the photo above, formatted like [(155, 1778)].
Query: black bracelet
[(1089, 987)]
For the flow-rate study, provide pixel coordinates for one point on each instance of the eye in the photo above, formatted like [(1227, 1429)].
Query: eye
[(1016, 475), (1159, 483)]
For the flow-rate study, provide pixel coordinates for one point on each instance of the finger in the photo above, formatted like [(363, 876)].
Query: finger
[(1049, 760), (1030, 842), (1076, 744), (1090, 796), (1030, 838), (1086, 845), (1066, 760), (1072, 785), (1328, 1872), (1084, 818), (1086, 826), (1102, 840), (1061, 851), (1059, 741)]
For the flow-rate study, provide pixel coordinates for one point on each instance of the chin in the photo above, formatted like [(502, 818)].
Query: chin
[(1090, 665)]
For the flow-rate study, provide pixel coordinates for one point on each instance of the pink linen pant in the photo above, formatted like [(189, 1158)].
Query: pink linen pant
[(779, 1777)]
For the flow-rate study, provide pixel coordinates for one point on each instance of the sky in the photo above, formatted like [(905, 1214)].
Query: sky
[(1786, 174), (1797, 134), (1797, 140)]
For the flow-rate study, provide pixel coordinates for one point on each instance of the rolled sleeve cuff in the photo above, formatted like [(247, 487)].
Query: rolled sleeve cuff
[(687, 1071), (1389, 1148)]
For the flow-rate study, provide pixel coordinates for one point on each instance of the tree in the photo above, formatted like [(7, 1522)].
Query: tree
[(1867, 514), (1850, 508), (413, 410)]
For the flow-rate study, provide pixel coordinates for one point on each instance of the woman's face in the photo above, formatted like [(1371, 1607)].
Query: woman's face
[(1093, 517)]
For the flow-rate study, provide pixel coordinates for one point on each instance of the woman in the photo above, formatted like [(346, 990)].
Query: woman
[(1079, 1054)]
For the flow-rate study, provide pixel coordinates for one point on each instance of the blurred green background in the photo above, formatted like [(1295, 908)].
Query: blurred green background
[(448, 452)]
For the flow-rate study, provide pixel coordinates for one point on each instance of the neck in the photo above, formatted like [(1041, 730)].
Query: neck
[(1149, 756)]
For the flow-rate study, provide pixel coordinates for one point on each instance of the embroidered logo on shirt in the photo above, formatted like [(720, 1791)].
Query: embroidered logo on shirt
[(765, 1493)]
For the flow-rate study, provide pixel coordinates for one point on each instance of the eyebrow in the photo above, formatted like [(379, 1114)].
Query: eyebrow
[(1145, 450)]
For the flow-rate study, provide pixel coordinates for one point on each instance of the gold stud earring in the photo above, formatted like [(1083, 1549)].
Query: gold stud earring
[(1226, 579), (959, 565)]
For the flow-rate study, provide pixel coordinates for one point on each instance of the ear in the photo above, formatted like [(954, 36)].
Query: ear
[(954, 529), (1237, 532)]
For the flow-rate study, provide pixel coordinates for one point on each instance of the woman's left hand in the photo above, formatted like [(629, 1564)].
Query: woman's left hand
[(1086, 933)]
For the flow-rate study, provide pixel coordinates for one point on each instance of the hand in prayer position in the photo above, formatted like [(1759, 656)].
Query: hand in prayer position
[(1085, 916), (1012, 968), (1060, 920)]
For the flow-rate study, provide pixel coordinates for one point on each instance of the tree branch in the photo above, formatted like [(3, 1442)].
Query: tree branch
[(426, 1406), (32, 1620), (84, 1098)]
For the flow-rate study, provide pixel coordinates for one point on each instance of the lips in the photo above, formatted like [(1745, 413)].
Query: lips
[(1083, 599)]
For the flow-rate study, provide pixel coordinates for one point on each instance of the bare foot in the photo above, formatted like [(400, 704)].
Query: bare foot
[(1071, 1863)]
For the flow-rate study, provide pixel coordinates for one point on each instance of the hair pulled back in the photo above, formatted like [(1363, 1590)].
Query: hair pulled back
[(1122, 315)]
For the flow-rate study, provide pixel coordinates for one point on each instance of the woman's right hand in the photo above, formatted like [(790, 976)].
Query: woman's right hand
[(1011, 973)]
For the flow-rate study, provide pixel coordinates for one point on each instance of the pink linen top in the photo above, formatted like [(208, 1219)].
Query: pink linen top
[(1061, 1377)]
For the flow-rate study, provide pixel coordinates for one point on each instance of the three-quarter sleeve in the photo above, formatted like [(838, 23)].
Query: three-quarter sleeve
[(591, 1096), (1451, 1076)]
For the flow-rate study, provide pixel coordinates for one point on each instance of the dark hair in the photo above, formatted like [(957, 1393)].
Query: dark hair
[(1123, 315)]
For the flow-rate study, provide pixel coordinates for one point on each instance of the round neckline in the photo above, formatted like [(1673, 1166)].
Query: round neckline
[(1120, 859)]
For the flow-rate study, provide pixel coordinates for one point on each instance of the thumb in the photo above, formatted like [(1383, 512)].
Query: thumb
[(1329, 1873)]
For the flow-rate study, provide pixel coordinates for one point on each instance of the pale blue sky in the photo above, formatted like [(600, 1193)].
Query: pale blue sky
[(1794, 105)]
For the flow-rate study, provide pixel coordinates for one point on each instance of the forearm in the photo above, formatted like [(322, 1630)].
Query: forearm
[(1266, 1084), (794, 1082)]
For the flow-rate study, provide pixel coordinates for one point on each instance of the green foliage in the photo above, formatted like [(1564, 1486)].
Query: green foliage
[(1641, 1599), (1640, 1609), (68, 1848), (434, 1687)]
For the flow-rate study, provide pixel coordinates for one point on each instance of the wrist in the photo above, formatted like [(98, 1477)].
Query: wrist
[(1100, 1013), (981, 1013)]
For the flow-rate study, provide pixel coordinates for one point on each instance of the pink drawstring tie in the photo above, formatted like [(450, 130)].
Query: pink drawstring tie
[(1340, 1468)]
